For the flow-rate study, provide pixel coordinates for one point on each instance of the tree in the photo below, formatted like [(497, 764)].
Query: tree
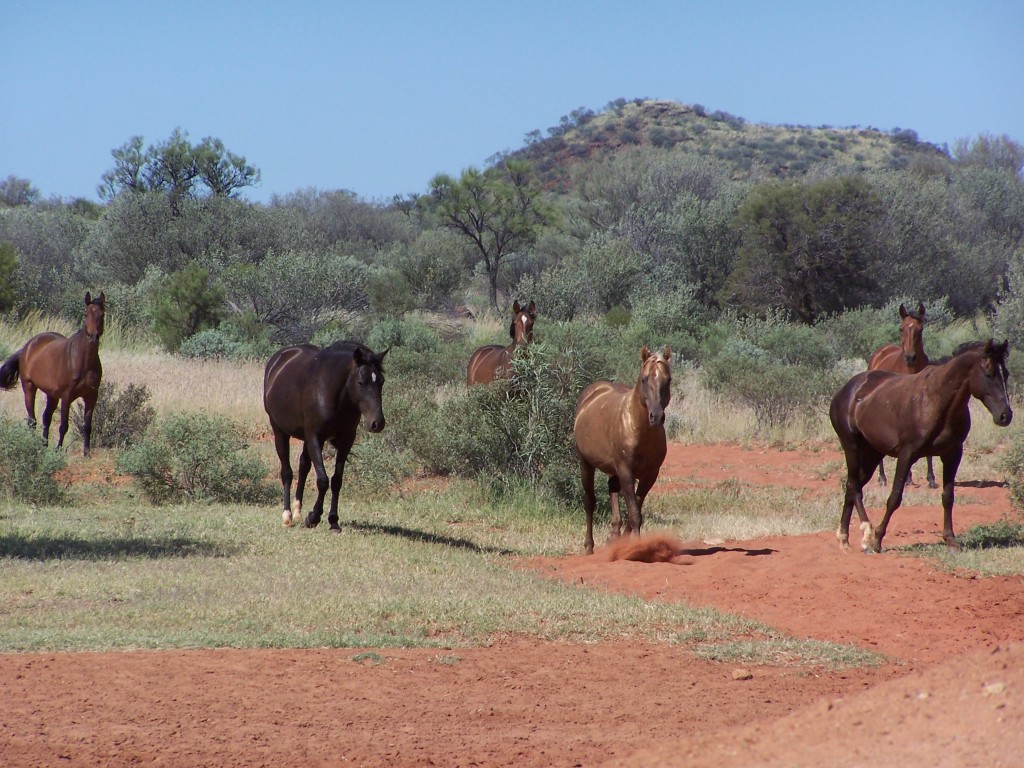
[(993, 152), (807, 249), (176, 167), (15, 191), (8, 273), (186, 303), (500, 211)]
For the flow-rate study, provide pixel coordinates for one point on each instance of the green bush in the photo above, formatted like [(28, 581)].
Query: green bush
[(120, 418), (196, 457), (1013, 465), (27, 466)]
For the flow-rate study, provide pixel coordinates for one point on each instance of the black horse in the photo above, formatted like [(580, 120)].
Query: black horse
[(317, 395)]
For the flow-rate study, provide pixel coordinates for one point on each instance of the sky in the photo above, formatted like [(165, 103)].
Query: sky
[(378, 97)]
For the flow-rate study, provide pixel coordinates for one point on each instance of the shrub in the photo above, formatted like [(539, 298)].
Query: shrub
[(120, 418), (212, 343), (1013, 465), (27, 466), (197, 457)]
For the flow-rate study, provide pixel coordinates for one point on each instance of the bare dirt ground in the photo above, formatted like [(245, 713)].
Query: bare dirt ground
[(952, 693)]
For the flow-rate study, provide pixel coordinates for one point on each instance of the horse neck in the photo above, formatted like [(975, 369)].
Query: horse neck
[(636, 406), (954, 379), (81, 348)]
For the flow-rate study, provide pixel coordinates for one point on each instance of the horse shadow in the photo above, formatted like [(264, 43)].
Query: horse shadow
[(413, 534), (705, 551), (43, 548), (981, 484)]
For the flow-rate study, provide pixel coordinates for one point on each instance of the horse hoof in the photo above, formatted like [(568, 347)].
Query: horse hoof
[(311, 523), (286, 519), (335, 529)]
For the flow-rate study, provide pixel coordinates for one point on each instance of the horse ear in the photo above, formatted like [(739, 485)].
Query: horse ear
[(357, 356), (88, 298), (920, 309), (903, 311), (101, 299), (380, 356), (645, 353), (515, 306), (668, 353), (532, 309)]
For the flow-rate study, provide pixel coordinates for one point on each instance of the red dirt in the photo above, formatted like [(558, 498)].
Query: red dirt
[(952, 695)]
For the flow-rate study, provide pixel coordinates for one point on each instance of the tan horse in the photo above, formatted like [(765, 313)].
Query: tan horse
[(492, 361), (64, 368), (906, 357), (620, 430)]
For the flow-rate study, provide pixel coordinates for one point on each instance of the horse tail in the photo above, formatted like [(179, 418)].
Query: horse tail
[(9, 371)]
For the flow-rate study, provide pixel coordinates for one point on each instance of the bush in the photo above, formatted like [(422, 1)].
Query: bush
[(120, 418), (27, 466), (1013, 465), (196, 457)]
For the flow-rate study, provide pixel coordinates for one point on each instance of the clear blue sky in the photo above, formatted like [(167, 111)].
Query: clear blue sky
[(376, 97)]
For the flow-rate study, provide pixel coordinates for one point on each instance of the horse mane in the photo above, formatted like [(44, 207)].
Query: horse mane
[(973, 346)]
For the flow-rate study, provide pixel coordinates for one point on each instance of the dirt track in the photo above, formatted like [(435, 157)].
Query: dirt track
[(952, 695)]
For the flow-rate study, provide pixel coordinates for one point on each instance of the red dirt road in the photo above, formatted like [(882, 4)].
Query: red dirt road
[(952, 696)]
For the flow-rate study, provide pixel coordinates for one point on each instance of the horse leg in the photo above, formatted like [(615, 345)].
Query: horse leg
[(282, 446), (899, 481), (643, 487), (931, 475), (614, 487), (589, 500), (48, 409), (65, 412), (634, 519), (860, 465), (90, 406), (305, 464), (881, 473), (28, 389), (950, 464), (343, 447), (316, 456)]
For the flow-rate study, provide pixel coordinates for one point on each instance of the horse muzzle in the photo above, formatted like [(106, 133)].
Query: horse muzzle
[(376, 424), (1003, 418), (656, 418)]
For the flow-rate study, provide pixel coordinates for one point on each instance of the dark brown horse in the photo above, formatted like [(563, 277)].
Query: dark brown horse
[(909, 416), (492, 362), (317, 396), (64, 368), (906, 357), (620, 430)]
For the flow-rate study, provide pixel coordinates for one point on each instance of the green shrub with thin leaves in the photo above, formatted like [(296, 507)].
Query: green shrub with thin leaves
[(121, 416), (27, 466), (195, 457), (1013, 465)]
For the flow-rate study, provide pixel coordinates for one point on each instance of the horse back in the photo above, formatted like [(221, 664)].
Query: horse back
[(302, 389), (56, 363), (889, 357), (486, 364)]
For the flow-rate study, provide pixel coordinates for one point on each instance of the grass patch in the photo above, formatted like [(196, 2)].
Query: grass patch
[(434, 570), (786, 651), (987, 549)]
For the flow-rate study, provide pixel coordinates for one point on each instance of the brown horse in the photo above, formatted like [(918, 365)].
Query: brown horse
[(620, 430), (64, 368), (317, 396), (879, 413), (906, 357), (492, 362)]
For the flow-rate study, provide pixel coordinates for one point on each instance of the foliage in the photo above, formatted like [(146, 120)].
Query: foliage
[(176, 167), (196, 457), (15, 191), (807, 249), (185, 303), (498, 211), (27, 465), (8, 270), (121, 416), (1013, 465), (1001, 533)]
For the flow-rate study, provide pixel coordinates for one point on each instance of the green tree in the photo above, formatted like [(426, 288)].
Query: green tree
[(500, 211), (178, 169), (15, 191), (807, 249), (186, 302), (8, 272)]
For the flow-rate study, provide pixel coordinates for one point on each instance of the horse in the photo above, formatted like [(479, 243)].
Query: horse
[(620, 430), (906, 357), (909, 416), (64, 368), (493, 361), (317, 395)]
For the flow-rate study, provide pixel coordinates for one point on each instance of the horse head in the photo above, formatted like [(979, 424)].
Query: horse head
[(988, 382), (365, 385), (94, 311), (911, 334), (655, 383), (523, 318)]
